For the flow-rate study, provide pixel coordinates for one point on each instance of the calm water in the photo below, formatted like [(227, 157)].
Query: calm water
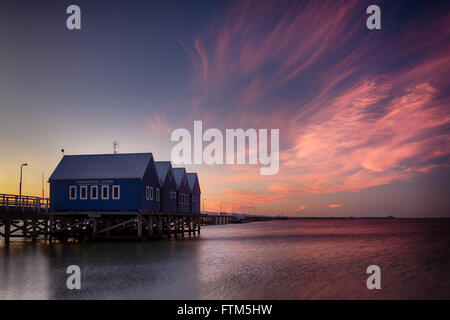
[(317, 259)]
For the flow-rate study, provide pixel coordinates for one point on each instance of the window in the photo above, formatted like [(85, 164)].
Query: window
[(83, 192), (147, 192), (105, 192), (157, 194), (94, 192), (151, 193), (73, 193), (182, 198), (116, 192)]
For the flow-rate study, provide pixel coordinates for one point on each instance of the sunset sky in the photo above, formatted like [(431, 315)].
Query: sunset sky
[(363, 114)]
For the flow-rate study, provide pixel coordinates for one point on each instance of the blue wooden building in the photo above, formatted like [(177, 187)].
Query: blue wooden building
[(195, 192), (105, 182), (183, 191), (168, 187)]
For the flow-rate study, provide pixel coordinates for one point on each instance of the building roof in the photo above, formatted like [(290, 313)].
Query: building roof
[(191, 177), (178, 174), (102, 166), (162, 168)]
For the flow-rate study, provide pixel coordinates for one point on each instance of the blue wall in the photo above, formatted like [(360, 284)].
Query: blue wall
[(129, 195), (195, 198), (184, 188), (169, 195), (150, 179)]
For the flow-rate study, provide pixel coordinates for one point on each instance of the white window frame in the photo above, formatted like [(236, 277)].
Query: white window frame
[(107, 193), (81, 192), (147, 192), (151, 193), (92, 188), (158, 194), (70, 192), (118, 192)]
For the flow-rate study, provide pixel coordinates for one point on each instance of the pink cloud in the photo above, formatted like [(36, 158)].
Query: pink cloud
[(344, 127), (157, 123), (335, 205), (298, 209)]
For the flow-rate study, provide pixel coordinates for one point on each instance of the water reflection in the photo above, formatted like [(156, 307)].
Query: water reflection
[(314, 259)]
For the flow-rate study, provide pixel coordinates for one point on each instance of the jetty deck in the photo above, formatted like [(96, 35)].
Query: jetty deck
[(31, 218)]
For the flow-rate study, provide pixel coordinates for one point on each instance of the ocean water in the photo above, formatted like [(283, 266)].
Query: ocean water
[(304, 259)]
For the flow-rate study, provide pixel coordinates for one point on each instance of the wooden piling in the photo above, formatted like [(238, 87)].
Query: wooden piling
[(150, 226), (51, 227), (7, 229), (139, 227), (34, 233), (94, 227)]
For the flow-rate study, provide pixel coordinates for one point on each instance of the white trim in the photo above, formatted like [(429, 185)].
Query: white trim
[(85, 188), (151, 193), (147, 193), (70, 192), (118, 192), (107, 194), (96, 192)]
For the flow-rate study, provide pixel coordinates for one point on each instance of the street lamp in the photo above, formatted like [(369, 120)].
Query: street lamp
[(20, 186)]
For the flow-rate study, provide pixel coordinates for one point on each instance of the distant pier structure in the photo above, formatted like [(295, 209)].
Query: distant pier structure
[(124, 196)]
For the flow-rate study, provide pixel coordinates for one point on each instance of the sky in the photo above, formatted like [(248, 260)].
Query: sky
[(363, 114)]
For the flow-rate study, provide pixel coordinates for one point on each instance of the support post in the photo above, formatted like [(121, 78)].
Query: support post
[(51, 226), (190, 225), (94, 227), (34, 221), (139, 227), (150, 225), (7, 229), (169, 227), (46, 228), (182, 227)]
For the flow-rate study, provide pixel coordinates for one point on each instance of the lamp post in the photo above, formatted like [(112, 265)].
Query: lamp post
[(20, 185)]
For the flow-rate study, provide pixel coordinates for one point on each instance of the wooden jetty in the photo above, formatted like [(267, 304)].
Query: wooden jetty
[(31, 218)]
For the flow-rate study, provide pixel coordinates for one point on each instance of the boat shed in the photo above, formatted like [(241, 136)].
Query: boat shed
[(105, 182), (183, 199), (168, 187), (195, 192)]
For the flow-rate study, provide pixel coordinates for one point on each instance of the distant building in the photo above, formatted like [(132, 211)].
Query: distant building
[(195, 192), (105, 182), (167, 185), (183, 191)]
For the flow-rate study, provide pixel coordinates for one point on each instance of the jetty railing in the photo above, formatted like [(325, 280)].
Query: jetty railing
[(15, 202)]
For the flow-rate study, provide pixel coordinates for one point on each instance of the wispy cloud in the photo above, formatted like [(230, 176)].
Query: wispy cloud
[(356, 109), (157, 123), (298, 209)]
